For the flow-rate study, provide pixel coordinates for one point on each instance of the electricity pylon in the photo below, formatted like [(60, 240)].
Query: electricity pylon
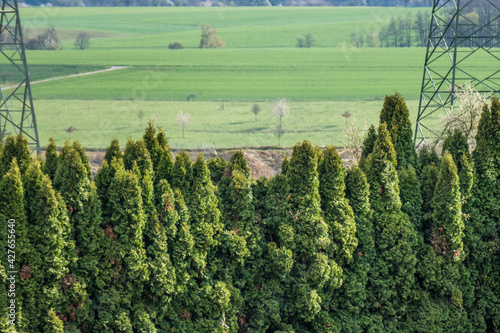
[(17, 114), (463, 45)]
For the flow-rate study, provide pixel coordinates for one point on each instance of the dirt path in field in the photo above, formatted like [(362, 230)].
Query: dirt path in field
[(112, 68)]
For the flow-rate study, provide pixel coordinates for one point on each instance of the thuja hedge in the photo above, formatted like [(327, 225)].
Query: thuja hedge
[(404, 242)]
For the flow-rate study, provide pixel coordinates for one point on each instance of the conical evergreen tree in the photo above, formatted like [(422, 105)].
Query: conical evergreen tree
[(427, 157), (120, 286), (217, 167), (456, 144), (182, 175), (429, 177), (482, 228), (265, 300), (204, 212), (83, 156), (166, 162), (113, 151), (214, 302), (103, 181), (338, 213), (448, 225), (305, 233), (226, 202), (47, 282), (396, 115), (240, 251), (161, 286), (151, 143), (411, 197), (15, 147), (137, 153), (440, 268), (350, 303), (393, 275), (368, 144), (182, 242), (13, 237), (50, 165), (84, 211)]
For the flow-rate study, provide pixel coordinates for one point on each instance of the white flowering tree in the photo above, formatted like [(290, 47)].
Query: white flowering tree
[(466, 113), (183, 120)]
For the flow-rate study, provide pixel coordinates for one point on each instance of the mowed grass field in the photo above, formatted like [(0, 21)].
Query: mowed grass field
[(259, 64)]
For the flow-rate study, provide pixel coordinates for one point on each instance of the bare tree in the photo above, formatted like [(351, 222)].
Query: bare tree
[(466, 116), (256, 109), (281, 109), (47, 40), (183, 120), (278, 131), (308, 41), (354, 139), (82, 41), (140, 115)]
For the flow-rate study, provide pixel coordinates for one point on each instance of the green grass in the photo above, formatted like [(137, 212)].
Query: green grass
[(255, 74), (98, 121), (240, 27), (41, 72), (260, 63)]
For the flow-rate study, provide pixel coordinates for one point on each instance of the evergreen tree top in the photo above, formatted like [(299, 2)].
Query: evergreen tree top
[(488, 132), (71, 178), (113, 151), (238, 162), (138, 153), (383, 149), (284, 165), (200, 171), (51, 158), (12, 195), (332, 172), (150, 138), (395, 112), (368, 143), (182, 173), (427, 157), (456, 144), (15, 147), (162, 140), (357, 191), (81, 152), (302, 174), (447, 208), (217, 167), (396, 115)]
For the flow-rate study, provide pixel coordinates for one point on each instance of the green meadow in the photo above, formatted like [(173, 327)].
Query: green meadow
[(233, 126), (258, 64)]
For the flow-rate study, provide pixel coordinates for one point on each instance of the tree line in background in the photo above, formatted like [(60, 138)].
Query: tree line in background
[(76, 3), (407, 31), (413, 30), (401, 242)]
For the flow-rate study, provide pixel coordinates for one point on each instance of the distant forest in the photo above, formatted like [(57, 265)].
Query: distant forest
[(75, 3)]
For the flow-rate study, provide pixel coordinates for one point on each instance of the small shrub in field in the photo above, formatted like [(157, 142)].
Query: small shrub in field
[(175, 46)]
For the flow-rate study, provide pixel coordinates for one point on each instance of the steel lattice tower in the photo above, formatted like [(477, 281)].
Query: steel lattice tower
[(463, 45), (17, 114)]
